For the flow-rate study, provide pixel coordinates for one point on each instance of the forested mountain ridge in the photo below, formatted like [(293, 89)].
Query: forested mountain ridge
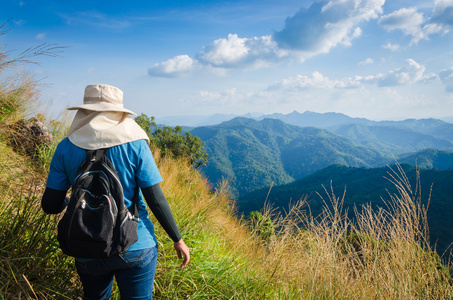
[(393, 140), (362, 186), (430, 159), (253, 154)]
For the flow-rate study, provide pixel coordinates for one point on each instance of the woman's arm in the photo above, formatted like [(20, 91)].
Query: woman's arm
[(159, 206), (53, 201)]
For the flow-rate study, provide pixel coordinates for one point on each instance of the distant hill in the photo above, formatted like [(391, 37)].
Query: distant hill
[(363, 186), (253, 154), (430, 159), (278, 148), (391, 137), (393, 140), (313, 119)]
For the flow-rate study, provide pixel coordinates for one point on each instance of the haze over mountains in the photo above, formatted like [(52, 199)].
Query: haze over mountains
[(307, 118)]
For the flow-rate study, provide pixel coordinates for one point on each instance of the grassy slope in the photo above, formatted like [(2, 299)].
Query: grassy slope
[(227, 262)]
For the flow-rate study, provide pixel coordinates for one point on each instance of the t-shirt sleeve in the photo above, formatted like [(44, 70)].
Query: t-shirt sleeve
[(58, 179), (147, 173)]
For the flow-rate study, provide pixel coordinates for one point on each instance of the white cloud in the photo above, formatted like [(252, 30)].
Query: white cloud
[(174, 67), (317, 81), (206, 96), (443, 14), (225, 51), (326, 24), (231, 97), (367, 61), (240, 52), (410, 73), (391, 47), (40, 36), (413, 23), (408, 20), (446, 76)]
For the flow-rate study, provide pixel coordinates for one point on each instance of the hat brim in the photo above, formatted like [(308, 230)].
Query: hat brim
[(102, 107)]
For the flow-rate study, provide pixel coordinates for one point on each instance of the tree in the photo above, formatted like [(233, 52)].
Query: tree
[(173, 141)]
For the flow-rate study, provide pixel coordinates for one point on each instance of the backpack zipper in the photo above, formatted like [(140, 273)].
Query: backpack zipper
[(84, 203)]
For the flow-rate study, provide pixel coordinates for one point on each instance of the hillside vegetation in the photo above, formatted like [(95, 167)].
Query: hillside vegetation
[(382, 255), (366, 187)]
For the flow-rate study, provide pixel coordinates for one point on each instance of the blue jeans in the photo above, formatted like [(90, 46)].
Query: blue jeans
[(134, 273)]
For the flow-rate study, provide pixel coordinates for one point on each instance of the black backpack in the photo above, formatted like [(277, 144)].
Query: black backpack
[(97, 223)]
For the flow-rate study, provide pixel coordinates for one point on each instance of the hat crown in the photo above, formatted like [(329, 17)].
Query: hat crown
[(102, 97), (103, 93)]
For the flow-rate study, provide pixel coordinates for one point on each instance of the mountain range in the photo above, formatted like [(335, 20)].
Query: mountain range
[(305, 119), (279, 158), (253, 153)]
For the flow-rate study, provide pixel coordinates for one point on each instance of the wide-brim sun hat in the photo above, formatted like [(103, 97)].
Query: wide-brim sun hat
[(102, 97)]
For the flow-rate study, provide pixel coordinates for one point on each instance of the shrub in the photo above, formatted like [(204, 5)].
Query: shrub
[(261, 226), (173, 141)]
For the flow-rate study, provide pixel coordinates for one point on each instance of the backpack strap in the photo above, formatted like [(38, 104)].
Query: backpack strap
[(95, 155)]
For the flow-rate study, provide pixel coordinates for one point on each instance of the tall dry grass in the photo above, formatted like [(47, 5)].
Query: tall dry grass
[(381, 254)]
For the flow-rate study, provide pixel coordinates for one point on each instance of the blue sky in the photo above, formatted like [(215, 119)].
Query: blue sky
[(365, 58)]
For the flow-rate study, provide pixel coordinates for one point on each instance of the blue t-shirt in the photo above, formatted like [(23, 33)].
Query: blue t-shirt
[(134, 164)]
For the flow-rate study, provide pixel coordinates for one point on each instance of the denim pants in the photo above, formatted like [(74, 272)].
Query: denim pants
[(133, 270)]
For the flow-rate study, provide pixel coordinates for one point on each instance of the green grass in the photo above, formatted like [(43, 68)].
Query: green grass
[(31, 264), (382, 255)]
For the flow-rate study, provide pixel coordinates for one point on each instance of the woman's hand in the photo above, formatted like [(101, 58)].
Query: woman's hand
[(182, 250)]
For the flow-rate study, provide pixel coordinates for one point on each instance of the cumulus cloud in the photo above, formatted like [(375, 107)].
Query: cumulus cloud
[(391, 47), (232, 52), (446, 76), (238, 52), (408, 20), (413, 23), (174, 67), (410, 73), (326, 24), (323, 26)]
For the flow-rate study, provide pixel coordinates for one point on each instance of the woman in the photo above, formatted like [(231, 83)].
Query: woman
[(103, 122)]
